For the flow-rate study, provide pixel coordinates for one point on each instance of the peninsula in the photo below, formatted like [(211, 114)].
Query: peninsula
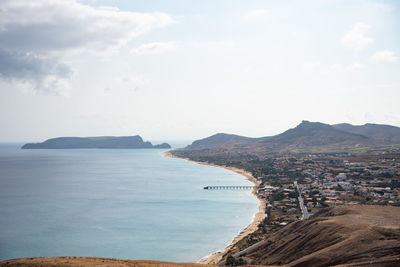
[(116, 142)]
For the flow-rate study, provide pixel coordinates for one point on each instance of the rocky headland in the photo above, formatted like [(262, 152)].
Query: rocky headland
[(111, 142)]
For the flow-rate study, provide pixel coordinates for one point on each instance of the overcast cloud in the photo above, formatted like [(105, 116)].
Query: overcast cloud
[(184, 70), (36, 35)]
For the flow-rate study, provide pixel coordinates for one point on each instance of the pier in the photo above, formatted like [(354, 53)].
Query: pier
[(228, 187)]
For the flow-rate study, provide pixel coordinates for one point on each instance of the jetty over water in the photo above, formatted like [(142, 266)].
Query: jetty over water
[(228, 187)]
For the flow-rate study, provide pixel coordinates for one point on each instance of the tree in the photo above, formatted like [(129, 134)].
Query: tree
[(231, 261)]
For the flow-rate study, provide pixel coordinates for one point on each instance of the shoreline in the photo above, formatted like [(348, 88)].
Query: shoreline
[(257, 217)]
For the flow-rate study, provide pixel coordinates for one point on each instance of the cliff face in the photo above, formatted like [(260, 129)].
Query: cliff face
[(94, 142), (339, 235)]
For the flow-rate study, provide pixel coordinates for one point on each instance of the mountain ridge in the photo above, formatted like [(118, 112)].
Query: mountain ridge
[(375, 131), (306, 135)]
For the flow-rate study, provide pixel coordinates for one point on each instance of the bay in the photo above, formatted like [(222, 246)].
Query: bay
[(126, 204)]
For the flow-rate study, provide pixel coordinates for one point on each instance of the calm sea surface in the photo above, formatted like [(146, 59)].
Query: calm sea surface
[(127, 204)]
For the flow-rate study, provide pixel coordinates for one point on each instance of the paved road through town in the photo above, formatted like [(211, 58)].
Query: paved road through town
[(303, 208)]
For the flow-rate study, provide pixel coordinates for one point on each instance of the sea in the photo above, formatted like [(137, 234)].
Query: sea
[(118, 203)]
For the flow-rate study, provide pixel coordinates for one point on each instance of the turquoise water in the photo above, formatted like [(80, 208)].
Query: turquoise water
[(127, 204)]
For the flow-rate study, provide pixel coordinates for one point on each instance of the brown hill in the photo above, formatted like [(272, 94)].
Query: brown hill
[(381, 132), (313, 135), (220, 139), (335, 236), (306, 137)]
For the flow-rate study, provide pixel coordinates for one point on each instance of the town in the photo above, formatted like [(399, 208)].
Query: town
[(312, 181)]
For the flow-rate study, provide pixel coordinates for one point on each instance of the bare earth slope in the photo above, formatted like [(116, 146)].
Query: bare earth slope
[(339, 235)]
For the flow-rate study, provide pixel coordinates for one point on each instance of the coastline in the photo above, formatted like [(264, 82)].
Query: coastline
[(216, 257)]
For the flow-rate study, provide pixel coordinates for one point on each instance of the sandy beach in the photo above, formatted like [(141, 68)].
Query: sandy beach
[(258, 217)]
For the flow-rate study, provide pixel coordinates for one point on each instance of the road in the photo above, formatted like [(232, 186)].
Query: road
[(304, 216), (245, 251), (303, 208)]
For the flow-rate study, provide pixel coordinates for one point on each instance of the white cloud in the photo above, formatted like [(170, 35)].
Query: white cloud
[(132, 82), (257, 14), (356, 39), (153, 48), (355, 66), (337, 67), (36, 35), (311, 67), (385, 56)]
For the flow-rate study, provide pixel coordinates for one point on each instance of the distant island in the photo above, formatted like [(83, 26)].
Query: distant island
[(122, 142)]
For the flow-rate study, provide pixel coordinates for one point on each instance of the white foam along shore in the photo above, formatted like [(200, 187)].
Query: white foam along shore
[(257, 218)]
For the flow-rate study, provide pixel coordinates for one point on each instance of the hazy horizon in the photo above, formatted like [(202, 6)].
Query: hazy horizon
[(179, 71), (175, 143)]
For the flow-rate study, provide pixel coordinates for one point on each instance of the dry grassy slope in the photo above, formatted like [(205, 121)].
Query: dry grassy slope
[(340, 235)]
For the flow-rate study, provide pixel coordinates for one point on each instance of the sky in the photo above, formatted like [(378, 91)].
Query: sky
[(180, 70)]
